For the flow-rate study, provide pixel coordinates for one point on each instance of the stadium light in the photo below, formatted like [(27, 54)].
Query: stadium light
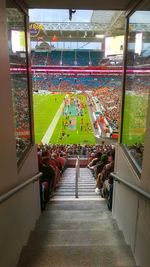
[(99, 35)]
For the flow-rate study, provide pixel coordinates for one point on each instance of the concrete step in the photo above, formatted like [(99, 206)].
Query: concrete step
[(71, 238), (77, 215), (70, 198), (78, 205), (73, 184), (64, 194), (79, 186), (86, 184), (86, 189), (80, 180), (76, 225), (83, 186), (81, 256), (72, 194)]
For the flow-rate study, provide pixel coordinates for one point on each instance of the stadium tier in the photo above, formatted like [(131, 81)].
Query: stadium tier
[(60, 82), (67, 58)]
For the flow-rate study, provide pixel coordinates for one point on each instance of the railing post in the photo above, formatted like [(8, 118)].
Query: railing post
[(77, 177)]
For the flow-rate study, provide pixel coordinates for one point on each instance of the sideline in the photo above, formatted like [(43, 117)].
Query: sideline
[(48, 134)]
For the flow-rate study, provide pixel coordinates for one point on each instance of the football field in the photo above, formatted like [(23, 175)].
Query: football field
[(73, 127), (135, 116)]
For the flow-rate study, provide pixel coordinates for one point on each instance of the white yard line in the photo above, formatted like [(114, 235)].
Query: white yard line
[(47, 136)]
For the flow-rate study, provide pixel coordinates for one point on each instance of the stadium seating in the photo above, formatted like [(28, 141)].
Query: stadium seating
[(54, 58), (96, 57), (78, 58), (82, 58), (39, 58), (67, 58), (70, 83)]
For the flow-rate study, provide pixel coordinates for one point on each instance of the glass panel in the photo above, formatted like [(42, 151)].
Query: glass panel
[(137, 85), (19, 78)]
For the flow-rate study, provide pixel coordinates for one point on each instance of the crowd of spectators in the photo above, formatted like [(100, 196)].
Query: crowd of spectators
[(110, 99), (20, 101), (138, 84), (73, 150), (57, 82), (39, 58), (102, 164), (52, 162), (21, 112), (53, 159)]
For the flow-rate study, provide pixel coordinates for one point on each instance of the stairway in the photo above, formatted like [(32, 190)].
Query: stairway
[(76, 233), (86, 185)]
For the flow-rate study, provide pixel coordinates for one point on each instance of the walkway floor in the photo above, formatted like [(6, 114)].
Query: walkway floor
[(76, 233)]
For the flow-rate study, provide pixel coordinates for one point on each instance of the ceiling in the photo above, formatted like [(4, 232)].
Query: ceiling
[(78, 4)]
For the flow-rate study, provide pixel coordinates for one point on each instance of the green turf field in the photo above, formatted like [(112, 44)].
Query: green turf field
[(76, 136), (45, 108), (135, 116)]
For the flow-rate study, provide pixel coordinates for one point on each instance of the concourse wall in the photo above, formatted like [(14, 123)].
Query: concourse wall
[(19, 213), (132, 211)]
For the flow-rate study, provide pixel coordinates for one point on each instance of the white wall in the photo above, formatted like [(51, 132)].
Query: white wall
[(18, 216), (132, 211), (19, 213), (125, 212), (125, 202)]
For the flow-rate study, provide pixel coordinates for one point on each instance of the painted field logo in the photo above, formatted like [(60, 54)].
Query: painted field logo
[(72, 125)]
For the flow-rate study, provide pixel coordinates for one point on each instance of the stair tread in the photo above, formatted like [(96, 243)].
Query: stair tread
[(83, 238), (76, 225), (104, 256)]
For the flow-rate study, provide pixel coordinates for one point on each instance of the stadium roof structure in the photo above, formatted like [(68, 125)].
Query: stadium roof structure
[(86, 26)]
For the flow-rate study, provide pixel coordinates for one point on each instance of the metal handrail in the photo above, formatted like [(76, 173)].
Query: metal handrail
[(131, 186), (14, 190), (77, 166)]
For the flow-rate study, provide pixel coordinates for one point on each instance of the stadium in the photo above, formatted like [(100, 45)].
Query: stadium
[(76, 71), (75, 133)]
